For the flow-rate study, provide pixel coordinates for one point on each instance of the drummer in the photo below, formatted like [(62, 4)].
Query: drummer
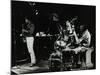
[(70, 36)]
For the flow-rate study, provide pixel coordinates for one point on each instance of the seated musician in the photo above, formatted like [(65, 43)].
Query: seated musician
[(70, 36), (70, 51), (84, 36), (84, 41), (65, 33)]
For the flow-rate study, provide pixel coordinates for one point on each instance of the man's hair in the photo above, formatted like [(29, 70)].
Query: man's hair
[(84, 26)]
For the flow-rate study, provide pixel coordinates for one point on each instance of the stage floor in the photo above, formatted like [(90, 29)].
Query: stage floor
[(40, 67)]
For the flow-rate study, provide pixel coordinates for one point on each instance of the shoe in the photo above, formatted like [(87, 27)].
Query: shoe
[(31, 65)]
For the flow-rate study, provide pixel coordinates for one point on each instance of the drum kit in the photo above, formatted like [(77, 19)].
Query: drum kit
[(62, 59)]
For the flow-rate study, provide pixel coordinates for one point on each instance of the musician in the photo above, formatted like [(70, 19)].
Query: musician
[(84, 42), (28, 32), (54, 23), (84, 36), (70, 35), (70, 30), (65, 33)]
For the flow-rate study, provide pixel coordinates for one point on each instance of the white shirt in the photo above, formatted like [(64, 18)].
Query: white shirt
[(86, 36)]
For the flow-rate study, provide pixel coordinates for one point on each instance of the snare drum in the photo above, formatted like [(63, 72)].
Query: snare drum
[(60, 44)]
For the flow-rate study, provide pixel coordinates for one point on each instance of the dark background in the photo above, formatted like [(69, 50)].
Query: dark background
[(19, 10)]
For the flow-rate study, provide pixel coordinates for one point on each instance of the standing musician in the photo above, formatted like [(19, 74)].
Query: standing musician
[(27, 33)]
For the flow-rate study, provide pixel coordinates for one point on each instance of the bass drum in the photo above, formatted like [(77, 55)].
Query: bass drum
[(68, 59), (55, 62)]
